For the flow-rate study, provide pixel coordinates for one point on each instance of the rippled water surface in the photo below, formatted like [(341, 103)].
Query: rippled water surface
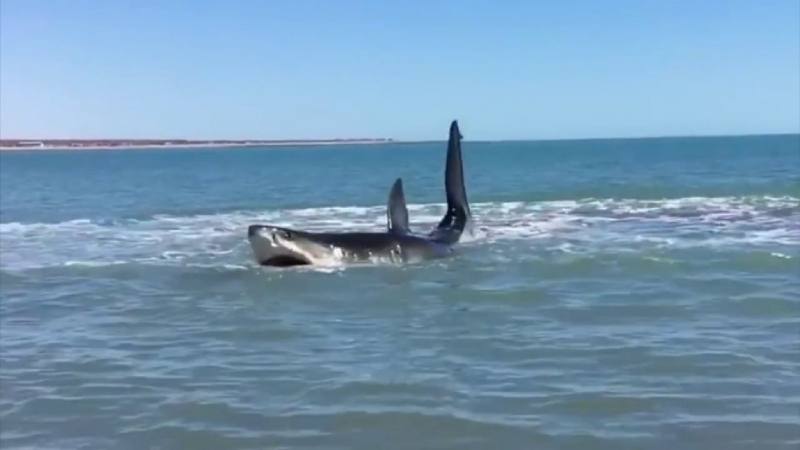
[(614, 294)]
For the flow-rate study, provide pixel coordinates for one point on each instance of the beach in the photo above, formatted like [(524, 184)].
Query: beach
[(8, 145)]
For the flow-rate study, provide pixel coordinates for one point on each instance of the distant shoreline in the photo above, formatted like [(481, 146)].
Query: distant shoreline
[(149, 144), (152, 144)]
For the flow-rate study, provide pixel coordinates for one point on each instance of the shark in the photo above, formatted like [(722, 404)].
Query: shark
[(285, 247)]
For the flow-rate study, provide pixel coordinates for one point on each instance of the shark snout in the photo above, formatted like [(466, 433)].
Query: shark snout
[(253, 230), (270, 232), (275, 246)]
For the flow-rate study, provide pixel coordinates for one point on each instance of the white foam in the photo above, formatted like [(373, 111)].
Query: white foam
[(219, 240), (93, 263)]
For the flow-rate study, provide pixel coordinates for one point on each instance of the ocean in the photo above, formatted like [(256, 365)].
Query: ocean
[(614, 294)]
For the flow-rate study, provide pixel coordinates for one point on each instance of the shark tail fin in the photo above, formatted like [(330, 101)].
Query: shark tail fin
[(396, 211), (458, 215)]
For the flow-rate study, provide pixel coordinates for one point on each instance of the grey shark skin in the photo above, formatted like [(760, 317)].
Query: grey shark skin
[(283, 247)]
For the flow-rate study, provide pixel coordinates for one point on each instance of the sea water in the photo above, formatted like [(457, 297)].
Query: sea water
[(613, 294)]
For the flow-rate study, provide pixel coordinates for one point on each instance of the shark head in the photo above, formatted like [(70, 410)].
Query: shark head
[(283, 247)]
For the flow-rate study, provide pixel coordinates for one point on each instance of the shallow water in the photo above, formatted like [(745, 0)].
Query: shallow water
[(614, 294)]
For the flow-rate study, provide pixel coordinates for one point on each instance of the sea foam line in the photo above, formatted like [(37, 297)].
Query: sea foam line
[(587, 225)]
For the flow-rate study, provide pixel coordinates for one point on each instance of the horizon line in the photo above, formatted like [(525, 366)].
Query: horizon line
[(387, 139), (779, 133)]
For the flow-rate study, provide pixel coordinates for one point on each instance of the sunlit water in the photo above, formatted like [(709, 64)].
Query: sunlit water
[(614, 294)]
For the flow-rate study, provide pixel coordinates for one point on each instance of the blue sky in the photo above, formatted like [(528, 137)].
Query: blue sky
[(320, 69)]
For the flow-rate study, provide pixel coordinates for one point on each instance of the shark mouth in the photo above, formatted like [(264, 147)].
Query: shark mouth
[(285, 261)]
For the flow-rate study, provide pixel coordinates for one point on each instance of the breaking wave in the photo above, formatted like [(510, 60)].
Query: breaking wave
[(588, 225)]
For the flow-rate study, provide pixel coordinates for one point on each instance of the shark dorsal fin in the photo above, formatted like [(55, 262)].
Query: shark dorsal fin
[(396, 211)]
